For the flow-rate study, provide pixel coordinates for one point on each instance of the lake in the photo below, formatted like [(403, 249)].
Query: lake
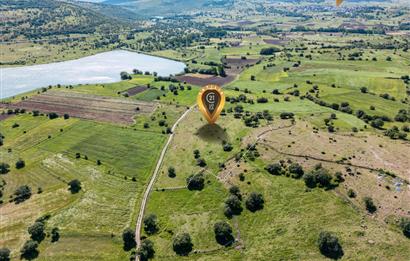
[(100, 68)]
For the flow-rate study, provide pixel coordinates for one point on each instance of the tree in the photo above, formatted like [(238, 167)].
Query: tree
[(171, 172), (146, 250), (128, 237), (150, 224), (405, 225), (55, 234), (4, 168), (195, 182), (66, 116), (29, 250), (125, 76), (52, 115), (269, 51), (234, 190), (370, 206), (329, 245), (223, 233), (254, 202), (296, 170), (363, 89), (20, 164), (74, 186), (310, 180), (182, 244), (36, 231), (22, 193), (274, 169), (4, 254), (232, 206), (377, 123)]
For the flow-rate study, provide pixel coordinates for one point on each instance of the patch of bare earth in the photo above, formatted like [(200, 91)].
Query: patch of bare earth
[(86, 106)]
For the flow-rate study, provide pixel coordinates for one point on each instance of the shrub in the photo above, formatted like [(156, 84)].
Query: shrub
[(150, 224), (370, 206), (36, 231), (4, 254), (201, 162), (329, 245), (227, 147), (146, 250), (223, 233), (4, 168), (351, 193), (254, 202), (286, 115), (20, 164), (74, 186), (128, 237), (22, 193), (182, 244), (195, 182), (66, 116)]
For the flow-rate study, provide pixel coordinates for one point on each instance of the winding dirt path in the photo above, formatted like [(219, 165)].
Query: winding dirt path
[(152, 180)]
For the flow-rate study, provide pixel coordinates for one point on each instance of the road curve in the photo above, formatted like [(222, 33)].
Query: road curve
[(152, 181)]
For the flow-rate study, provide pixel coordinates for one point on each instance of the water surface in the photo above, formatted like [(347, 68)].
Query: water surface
[(100, 68)]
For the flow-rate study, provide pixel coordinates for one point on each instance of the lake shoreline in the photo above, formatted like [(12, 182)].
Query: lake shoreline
[(95, 69)]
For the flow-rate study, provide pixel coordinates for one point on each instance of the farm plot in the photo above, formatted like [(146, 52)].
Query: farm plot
[(87, 106), (200, 80), (135, 90)]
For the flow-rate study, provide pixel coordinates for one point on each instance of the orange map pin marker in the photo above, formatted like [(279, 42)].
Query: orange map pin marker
[(339, 2), (211, 100)]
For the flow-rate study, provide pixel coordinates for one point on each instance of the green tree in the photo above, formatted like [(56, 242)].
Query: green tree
[(234, 190), (55, 234), (274, 169), (4, 168), (182, 244), (128, 237), (195, 182), (36, 231), (329, 245), (405, 225), (223, 233), (74, 186), (20, 164), (22, 193), (29, 250), (146, 250), (4, 254), (171, 172), (150, 224), (255, 202), (370, 206), (233, 206), (296, 170)]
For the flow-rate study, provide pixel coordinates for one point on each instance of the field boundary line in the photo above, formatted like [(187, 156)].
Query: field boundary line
[(153, 178)]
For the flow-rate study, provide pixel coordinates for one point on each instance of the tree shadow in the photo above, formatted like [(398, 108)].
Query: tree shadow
[(212, 133)]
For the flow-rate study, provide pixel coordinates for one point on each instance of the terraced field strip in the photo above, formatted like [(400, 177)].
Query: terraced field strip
[(86, 106)]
